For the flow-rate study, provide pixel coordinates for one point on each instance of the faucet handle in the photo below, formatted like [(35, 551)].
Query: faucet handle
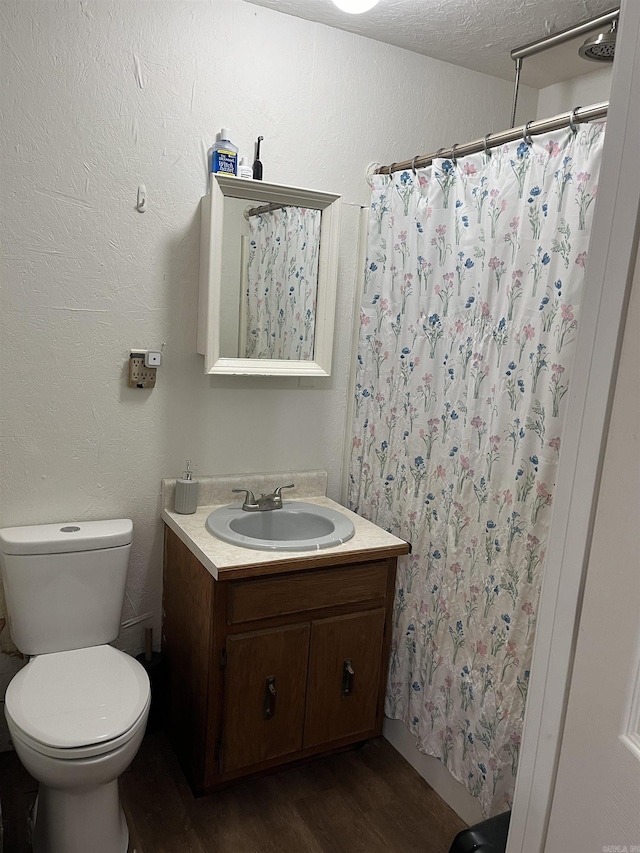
[(250, 501), (276, 492), (275, 498)]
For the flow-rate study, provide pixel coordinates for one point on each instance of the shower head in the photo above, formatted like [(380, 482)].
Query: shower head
[(600, 47)]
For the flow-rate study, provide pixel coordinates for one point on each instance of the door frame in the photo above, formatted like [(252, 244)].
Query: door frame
[(612, 255)]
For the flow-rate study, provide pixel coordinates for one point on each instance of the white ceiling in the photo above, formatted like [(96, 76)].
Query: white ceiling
[(477, 34)]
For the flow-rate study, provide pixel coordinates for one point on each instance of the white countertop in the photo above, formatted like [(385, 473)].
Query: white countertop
[(224, 559)]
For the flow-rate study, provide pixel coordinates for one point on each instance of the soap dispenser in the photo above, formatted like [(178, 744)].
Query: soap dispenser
[(186, 501)]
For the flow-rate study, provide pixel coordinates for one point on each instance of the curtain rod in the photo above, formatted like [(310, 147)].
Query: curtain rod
[(565, 35), (534, 47), (493, 140), (265, 208)]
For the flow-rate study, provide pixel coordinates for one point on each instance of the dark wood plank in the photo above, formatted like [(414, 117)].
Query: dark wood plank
[(252, 818), (156, 812), (413, 804), (367, 800), (337, 827)]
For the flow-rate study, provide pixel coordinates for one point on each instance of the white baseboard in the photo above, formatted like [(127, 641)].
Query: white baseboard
[(433, 772)]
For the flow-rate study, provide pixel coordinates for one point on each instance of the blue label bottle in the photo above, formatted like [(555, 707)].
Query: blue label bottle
[(224, 157)]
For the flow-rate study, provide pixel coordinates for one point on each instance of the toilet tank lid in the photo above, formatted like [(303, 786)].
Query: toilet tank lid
[(66, 537)]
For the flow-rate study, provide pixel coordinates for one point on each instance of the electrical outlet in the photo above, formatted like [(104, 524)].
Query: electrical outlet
[(139, 375)]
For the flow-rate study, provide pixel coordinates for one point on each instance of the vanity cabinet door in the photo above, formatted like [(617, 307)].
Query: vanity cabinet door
[(265, 685), (344, 672)]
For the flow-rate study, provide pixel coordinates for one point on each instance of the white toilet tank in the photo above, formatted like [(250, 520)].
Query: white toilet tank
[(64, 583)]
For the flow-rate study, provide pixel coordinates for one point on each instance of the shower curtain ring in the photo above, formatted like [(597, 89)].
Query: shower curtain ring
[(487, 150), (372, 169), (439, 152), (572, 120), (454, 159), (413, 164), (391, 167), (526, 136)]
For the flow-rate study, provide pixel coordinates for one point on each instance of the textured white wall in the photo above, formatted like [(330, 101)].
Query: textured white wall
[(98, 97), (591, 88)]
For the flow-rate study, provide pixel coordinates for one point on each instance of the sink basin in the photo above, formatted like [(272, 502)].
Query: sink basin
[(298, 526)]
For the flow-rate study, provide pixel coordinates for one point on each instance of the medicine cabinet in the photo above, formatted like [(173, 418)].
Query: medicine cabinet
[(268, 278)]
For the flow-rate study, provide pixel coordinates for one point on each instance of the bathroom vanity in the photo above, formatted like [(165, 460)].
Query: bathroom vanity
[(273, 657)]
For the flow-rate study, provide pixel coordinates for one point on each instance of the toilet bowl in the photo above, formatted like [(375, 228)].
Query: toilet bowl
[(77, 719), (77, 711)]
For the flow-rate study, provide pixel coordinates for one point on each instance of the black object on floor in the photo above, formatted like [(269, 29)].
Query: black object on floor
[(490, 836)]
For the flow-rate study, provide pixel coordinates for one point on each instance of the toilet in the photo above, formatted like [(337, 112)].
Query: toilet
[(77, 711)]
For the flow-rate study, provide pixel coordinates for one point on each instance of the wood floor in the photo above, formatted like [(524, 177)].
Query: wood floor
[(367, 800)]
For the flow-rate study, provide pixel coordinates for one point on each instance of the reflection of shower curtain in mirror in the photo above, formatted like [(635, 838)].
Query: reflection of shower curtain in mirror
[(283, 281), (473, 287)]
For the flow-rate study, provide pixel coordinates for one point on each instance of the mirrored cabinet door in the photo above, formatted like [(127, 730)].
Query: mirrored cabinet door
[(268, 277)]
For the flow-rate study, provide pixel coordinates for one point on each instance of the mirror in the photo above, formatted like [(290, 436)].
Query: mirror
[(268, 273)]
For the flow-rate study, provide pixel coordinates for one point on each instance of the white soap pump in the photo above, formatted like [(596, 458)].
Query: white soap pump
[(186, 501)]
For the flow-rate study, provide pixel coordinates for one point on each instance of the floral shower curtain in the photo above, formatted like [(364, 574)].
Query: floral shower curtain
[(283, 281), (473, 286)]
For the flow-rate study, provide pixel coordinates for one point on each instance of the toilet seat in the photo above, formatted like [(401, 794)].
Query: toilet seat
[(79, 703), (95, 750)]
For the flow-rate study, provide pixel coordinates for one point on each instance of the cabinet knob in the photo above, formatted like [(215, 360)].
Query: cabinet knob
[(347, 678), (269, 704)]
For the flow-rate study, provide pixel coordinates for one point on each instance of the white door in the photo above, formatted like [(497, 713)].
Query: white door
[(596, 803)]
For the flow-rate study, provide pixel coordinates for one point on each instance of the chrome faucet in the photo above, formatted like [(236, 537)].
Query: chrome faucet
[(264, 503)]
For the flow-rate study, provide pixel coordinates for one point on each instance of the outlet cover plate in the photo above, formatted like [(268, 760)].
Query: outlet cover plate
[(139, 375)]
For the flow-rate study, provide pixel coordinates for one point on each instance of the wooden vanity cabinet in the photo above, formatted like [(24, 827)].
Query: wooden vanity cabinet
[(272, 663)]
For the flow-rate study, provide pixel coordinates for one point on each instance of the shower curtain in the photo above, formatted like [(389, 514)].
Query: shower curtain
[(468, 322), (283, 281)]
